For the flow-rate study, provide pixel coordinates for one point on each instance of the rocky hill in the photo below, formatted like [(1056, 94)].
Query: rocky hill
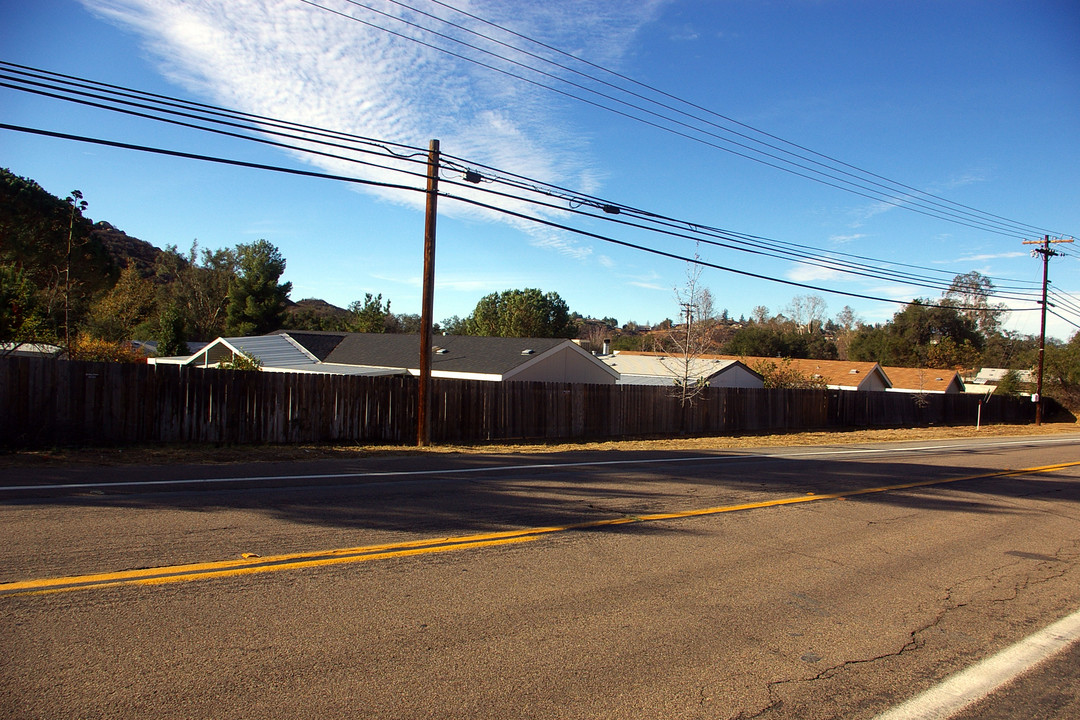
[(126, 250)]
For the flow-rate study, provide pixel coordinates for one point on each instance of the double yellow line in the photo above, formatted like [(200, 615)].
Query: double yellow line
[(253, 564)]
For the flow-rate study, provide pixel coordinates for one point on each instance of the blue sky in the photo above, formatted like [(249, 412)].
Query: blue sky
[(975, 102)]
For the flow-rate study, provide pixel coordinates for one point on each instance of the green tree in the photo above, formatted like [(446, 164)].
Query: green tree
[(455, 325), (521, 313), (947, 353), (779, 341), (197, 284), (170, 332), (1009, 384), (779, 374), (1061, 372), (241, 361), (971, 293), (1009, 349), (369, 315), (20, 317), (909, 340), (256, 300), (35, 227), (406, 323), (115, 316)]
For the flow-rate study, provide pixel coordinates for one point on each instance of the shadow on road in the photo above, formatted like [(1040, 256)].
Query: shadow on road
[(481, 493)]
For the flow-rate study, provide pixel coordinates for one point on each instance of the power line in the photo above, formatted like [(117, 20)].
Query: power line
[(701, 108), (839, 262), (1061, 317), (812, 255), (914, 201), (163, 104), (459, 198), (206, 158), (209, 113)]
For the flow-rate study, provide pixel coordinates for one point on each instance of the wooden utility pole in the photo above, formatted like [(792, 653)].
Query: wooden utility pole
[(1046, 253), (423, 425)]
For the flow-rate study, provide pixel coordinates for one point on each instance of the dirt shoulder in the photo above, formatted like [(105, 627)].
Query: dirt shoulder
[(191, 454)]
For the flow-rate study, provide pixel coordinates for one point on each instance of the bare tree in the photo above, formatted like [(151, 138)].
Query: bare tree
[(805, 310), (846, 324), (971, 292), (78, 206), (692, 337)]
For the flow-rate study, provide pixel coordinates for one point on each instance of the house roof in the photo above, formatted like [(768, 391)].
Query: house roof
[(992, 376), (485, 358), (837, 373), (833, 373), (279, 352), (659, 369), (924, 379), (20, 349), (495, 356)]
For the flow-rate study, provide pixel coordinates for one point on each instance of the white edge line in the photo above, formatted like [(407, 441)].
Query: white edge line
[(983, 678), (508, 468)]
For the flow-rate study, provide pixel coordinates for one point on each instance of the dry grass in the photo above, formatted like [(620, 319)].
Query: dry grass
[(184, 454)]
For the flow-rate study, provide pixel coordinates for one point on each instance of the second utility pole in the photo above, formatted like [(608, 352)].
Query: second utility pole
[(423, 423), (1046, 253)]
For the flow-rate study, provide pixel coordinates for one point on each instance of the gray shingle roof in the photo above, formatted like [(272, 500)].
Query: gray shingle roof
[(454, 353), (319, 344)]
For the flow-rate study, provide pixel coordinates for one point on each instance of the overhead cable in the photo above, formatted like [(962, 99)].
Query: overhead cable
[(465, 200), (846, 263), (916, 201)]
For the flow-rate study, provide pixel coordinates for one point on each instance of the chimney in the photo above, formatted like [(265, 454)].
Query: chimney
[(607, 347)]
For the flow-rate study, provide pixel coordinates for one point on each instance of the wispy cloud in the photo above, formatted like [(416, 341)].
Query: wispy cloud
[(844, 239), (860, 215), (812, 273), (684, 33), (646, 285), (650, 280), (290, 60), (989, 256)]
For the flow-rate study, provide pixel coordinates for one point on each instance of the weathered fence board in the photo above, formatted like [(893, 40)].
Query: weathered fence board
[(48, 402)]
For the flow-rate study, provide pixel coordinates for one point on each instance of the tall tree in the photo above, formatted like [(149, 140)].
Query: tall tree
[(115, 316), (971, 293), (845, 325), (692, 338), (806, 310), (256, 299), (521, 313), (369, 315), (198, 285), (170, 332), (35, 227), (20, 317), (920, 335)]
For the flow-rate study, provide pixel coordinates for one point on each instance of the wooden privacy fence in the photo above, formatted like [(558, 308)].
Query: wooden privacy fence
[(49, 402)]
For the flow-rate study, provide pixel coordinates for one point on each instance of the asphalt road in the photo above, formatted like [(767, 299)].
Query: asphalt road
[(826, 582)]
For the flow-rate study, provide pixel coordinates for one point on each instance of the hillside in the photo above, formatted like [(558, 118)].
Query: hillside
[(34, 230), (126, 250)]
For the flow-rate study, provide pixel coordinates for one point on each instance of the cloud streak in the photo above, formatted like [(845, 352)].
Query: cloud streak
[(342, 67)]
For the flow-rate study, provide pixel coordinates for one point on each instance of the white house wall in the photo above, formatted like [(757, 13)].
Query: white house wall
[(566, 365), (873, 383), (737, 376)]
